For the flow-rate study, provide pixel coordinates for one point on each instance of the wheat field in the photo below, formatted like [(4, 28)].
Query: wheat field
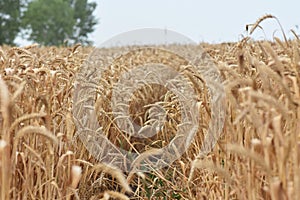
[(256, 157)]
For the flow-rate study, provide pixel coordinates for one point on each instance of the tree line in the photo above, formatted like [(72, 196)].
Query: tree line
[(47, 22)]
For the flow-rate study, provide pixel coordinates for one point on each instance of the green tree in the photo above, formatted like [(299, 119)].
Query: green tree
[(10, 12), (85, 21), (52, 22)]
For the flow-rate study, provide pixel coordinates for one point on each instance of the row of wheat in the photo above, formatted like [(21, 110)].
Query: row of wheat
[(257, 156)]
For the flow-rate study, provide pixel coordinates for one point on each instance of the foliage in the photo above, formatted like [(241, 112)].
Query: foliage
[(9, 20), (85, 21), (54, 22)]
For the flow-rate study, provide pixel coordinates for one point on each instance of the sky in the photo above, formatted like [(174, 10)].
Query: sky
[(212, 21)]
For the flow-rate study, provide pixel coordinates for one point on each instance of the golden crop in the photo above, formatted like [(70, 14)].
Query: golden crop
[(257, 156)]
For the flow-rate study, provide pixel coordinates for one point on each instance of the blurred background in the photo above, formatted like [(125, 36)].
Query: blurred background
[(92, 22)]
